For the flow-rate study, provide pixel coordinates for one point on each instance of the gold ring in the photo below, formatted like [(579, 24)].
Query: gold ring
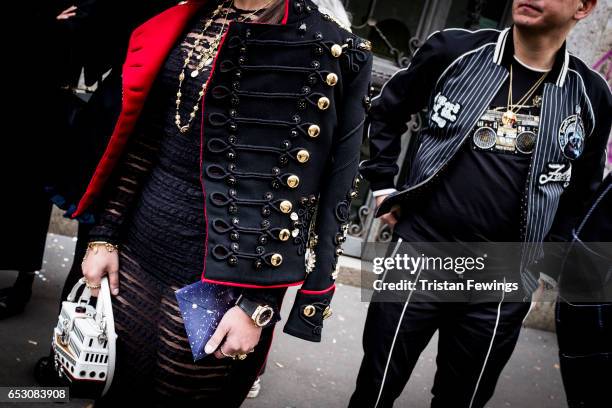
[(227, 355)]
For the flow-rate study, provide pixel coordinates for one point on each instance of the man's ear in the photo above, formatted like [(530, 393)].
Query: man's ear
[(584, 9)]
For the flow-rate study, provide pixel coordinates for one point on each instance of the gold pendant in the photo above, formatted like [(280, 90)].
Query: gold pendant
[(509, 118), (184, 129), (537, 101)]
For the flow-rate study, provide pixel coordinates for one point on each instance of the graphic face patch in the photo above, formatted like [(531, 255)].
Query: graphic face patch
[(444, 111), (557, 172), (571, 137)]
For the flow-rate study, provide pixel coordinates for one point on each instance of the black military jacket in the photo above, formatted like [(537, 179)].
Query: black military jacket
[(282, 127)]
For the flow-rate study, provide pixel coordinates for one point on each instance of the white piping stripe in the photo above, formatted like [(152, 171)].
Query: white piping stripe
[(591, 111), (499, 47), (471, 31), (399, 324), (399, 241), (384, 191), (503, 49), (484, 365), (564, 68)]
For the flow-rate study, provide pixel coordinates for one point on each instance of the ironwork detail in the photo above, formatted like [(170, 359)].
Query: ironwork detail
[(475, 8)]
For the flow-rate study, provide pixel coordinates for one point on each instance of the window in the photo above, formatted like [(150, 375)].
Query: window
[(388, 24), (475, 14)]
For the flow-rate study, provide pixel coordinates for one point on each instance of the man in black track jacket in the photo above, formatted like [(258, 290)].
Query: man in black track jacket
[(513, 145)]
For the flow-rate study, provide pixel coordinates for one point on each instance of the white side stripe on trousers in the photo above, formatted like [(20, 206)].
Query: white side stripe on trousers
[(399, 323), (484, 365)]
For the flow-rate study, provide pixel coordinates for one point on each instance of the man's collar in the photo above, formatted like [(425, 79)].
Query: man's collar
[(504, 53)]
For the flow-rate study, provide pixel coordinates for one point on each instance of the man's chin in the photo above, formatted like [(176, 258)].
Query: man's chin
[(528, 23)]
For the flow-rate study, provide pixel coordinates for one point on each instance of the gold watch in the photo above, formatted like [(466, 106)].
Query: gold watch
[(260, 314)]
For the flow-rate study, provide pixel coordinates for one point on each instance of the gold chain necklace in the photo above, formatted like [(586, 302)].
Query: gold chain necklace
[(205, 58), (509, 116)]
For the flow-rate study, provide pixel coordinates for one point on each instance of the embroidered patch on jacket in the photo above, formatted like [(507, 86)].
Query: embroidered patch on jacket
[(557, 172), (571, 136), (444, 111)]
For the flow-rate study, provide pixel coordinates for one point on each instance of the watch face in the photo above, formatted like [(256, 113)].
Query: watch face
[(264, 316)]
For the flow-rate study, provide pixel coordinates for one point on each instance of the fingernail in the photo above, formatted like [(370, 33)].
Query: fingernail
[(115, 291), (209, 348)]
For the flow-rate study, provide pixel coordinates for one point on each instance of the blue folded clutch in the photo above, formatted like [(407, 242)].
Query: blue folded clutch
[(202, 306)]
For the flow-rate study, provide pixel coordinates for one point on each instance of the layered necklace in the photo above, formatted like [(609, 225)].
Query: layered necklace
[(509, 116), (203, 59)]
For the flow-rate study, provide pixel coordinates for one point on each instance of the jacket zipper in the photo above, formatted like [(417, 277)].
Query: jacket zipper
[(525, 199)]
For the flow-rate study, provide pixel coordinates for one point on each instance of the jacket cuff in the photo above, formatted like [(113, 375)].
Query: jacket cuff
[(385, 191), (376, 185), (269, 297), (552, 282), (308, 312)]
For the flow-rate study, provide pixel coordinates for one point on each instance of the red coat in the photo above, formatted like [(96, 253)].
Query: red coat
[(147, 50)]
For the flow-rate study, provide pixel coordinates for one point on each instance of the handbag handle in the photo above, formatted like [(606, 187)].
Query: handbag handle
[(104, 315), (85, 295)]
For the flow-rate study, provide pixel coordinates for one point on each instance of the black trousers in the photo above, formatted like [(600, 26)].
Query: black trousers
[(476, 340), (584, 333)]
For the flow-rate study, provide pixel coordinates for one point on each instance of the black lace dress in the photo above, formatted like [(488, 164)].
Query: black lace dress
[(155, 212)]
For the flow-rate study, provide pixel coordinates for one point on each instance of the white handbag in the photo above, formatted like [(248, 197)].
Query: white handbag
[(84, 339)]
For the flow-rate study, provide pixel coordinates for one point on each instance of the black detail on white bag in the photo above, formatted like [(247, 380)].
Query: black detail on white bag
[(84, 339)]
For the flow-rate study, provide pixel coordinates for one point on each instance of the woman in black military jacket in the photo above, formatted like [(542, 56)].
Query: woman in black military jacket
[(242, 161)]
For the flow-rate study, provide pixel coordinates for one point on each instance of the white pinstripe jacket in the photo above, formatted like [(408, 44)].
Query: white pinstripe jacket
[(455, 75)]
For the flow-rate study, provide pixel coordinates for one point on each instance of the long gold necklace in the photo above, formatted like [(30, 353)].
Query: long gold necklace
[(509, 116), (205, 58)]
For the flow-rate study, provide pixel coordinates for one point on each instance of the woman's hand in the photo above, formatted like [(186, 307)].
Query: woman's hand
[(99, 263), (240, 333)]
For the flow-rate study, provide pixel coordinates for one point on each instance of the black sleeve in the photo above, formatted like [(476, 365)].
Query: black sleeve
[(268, 297), (405, 94), (587, 173), (333, 209), (125, 187)]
